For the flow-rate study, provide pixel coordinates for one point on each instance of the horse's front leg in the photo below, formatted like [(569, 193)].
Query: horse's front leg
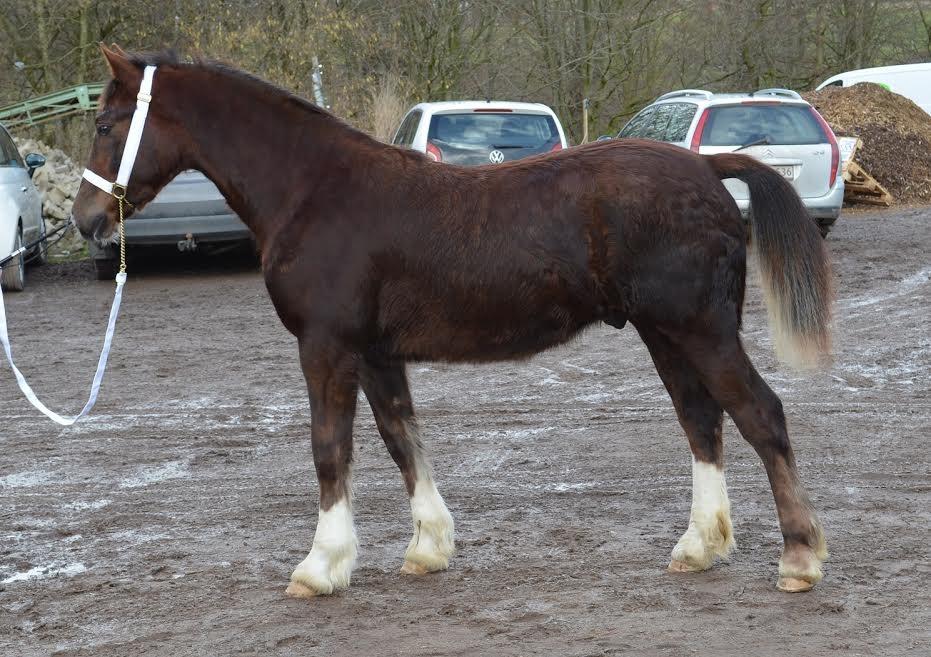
[(332, 384), (387, 390)]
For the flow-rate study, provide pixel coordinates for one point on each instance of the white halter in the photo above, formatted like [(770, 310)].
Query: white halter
[(118, 190), (143, 98)]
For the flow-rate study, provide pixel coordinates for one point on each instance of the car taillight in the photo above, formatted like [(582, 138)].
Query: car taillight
[(835, 151), (556, 147), (434, 153), (696, 136)]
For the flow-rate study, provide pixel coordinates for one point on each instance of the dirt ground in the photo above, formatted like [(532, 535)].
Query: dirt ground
[(168, 523)]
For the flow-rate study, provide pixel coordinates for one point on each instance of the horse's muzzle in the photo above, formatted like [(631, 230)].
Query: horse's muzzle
[(92, 229)]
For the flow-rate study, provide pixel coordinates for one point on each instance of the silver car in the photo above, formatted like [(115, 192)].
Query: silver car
[(775, 126), (189, 212), (21, 220)]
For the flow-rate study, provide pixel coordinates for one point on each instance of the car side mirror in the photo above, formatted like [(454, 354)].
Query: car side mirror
[(34, 161)]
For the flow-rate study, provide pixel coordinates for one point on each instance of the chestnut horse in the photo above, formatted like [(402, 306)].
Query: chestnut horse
[(374, 257)]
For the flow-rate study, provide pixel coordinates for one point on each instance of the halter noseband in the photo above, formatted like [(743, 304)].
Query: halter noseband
[(143, 98)]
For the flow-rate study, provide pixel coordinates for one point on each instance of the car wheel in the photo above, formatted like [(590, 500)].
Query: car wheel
[(39, 255), (13, 277), (106, 268)]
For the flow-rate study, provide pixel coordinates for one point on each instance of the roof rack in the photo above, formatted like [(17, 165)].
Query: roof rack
[(776, 91), (686, 92)]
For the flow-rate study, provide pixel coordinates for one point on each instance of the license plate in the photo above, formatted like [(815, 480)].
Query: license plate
[(786, 171)]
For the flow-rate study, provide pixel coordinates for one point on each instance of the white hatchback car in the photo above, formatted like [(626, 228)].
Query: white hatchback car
[(775, 126), (476, 132), (21, 219)]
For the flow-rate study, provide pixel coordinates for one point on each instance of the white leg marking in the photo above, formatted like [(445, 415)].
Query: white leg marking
[(709, 531), (329, 565), (434, 534), (800, 567)]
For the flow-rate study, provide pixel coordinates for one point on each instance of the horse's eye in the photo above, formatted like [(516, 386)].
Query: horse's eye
[(103, 129)]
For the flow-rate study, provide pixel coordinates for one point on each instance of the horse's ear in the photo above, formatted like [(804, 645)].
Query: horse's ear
[(118, 62)]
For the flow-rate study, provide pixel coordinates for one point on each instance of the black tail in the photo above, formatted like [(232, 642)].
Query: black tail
[(794, 264)]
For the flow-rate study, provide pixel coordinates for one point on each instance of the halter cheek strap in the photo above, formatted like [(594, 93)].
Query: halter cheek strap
[(131, 149)]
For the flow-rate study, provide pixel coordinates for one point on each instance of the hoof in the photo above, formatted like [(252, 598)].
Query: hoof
[(411, 568), (676, 566), (298, 590), (794, 585)]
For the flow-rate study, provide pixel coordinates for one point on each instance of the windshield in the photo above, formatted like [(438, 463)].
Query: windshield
[(494, 130), (736, 125)]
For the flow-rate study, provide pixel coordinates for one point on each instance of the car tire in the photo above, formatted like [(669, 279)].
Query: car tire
[(13, 277), (39, 255), (106, 269)]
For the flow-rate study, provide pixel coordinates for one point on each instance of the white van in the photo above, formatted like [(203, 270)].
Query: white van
[(910, 80)]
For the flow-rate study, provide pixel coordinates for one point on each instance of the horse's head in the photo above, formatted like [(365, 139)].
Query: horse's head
[(95, 211)]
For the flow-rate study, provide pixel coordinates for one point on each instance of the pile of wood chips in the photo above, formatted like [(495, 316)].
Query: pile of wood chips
[(895, 135)]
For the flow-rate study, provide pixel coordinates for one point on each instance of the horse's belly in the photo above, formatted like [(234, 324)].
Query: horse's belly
[(487, 335)]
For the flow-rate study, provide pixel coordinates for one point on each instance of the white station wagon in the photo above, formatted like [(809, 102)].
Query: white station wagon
[(775, 126), (21, 220), (474, 132)]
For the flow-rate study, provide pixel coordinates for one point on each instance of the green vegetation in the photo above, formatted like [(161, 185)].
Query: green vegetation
[(618, 53)]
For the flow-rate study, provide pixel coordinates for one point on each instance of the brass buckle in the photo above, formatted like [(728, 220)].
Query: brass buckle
[(118, 191)]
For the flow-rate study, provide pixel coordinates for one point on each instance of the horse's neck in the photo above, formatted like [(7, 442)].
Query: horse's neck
[(262, 149)]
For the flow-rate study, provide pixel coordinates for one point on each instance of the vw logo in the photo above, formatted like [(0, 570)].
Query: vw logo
[(496, 157)]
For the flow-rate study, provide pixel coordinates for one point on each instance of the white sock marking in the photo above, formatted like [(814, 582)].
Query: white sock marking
[(709, 532), (433, 542), (333, 555)]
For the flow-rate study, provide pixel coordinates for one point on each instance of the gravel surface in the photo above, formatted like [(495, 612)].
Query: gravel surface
[(168, 523)]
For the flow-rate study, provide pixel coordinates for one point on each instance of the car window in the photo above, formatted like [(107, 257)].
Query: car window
[(735, 125), (637, 125), (680, 119), (9, 154), (656, 129), (494, 130), (408, 129)]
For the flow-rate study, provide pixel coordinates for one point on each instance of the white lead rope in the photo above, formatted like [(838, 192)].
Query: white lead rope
[(101, 363), (117, 189)]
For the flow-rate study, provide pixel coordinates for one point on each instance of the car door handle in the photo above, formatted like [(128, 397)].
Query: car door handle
[(24, 189)]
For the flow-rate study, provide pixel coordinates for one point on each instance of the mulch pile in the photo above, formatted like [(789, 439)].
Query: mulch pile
[(896, 136)]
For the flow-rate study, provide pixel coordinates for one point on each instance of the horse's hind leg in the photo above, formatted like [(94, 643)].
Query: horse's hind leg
[(385, 386), (756, 410), (709, 532), (332, 385)]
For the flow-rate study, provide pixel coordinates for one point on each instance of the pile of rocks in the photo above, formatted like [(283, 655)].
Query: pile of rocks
[(58, 183)]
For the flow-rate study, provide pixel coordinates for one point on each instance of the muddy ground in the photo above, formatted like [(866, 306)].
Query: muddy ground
[(169, 522)]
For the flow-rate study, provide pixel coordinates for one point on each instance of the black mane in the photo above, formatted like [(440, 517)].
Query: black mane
[(170, 57)]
